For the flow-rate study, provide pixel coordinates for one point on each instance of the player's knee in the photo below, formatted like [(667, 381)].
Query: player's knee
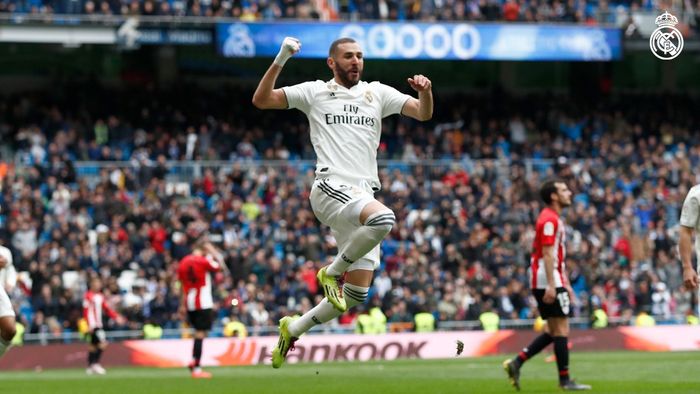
[(354, 295), (559, 328), (8, 333), (382, 221)]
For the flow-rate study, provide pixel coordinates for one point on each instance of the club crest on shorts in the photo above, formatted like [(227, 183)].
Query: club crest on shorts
[(666, 42)]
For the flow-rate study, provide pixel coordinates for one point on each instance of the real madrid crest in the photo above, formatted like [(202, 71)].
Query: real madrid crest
[(666, 42), (368, 96)]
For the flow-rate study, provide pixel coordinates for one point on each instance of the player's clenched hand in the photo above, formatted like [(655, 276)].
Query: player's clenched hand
[(289, 47), (420, 83), (690, 278), (550, 293)]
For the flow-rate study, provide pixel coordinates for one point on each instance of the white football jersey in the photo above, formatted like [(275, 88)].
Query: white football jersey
[(346, 124), (8, 275), (690, 214), (8, 278)]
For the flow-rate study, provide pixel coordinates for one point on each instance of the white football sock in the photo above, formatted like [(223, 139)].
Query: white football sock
[(362, 241), (325, 311), (354, 295), (321, 313), (4, 345)]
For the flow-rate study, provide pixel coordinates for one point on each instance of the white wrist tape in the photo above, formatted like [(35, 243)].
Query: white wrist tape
[(289, 47)]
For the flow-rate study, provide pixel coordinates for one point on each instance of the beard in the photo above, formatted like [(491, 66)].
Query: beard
[(346, 79)]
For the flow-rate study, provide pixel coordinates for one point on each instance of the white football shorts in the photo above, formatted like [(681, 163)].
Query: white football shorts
[(5, 304), (337, 204)]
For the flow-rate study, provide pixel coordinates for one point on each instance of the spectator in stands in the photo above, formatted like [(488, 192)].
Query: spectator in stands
[(464, 224), (570, 11)]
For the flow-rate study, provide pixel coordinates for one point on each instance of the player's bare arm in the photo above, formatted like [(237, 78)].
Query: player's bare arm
[(690, 275), (566, 283), (217, 255), (266, 96), (569, 289), (550, 292), (422, 107), (214, 252), (182, 308)]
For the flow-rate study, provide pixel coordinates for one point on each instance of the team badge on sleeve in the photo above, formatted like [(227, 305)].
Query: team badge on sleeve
[(548, 229)]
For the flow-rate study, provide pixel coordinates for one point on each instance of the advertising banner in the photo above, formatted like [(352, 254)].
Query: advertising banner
[(437, 41), (324, 348), (175, 36)]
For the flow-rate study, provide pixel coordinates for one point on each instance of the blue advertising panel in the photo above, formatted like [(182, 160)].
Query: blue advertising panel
[(443, 41)]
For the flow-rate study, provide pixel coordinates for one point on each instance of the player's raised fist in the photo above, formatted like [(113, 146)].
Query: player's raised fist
[(290, 46), (420, 83)]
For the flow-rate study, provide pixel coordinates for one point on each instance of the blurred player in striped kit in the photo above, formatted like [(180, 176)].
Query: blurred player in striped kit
[(94, 307), (194, 273)]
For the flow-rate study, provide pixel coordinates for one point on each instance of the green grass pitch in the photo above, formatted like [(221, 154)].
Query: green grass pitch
[(614, 372)]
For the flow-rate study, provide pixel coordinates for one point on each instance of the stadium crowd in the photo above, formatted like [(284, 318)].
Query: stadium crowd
[(571, 11), (464, 190)]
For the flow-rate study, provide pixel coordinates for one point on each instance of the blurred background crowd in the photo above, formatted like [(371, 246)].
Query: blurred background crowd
[(590, 12), (464, 187)]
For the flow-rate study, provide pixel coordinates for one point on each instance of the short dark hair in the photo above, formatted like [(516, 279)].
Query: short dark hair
[(548, 188), (199, 245), (334, 45)]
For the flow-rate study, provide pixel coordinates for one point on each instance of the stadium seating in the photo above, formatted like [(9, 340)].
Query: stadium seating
[(87, 195), (574, 11)]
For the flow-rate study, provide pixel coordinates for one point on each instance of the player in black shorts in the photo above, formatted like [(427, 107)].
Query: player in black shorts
[(195, 274), (550, 286), (200, 320), (561, 307), (95, 306)]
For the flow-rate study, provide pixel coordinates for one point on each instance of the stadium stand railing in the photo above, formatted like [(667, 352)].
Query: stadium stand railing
[(471, 325), (183, 171)]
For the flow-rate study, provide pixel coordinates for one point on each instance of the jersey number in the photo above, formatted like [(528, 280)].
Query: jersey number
[(564, 302), (100, 334), (191, 274)]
